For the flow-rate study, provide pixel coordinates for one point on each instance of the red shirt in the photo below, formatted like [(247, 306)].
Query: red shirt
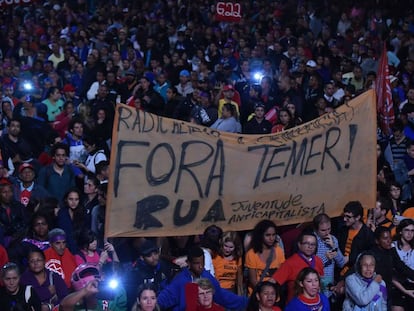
[(290, 269)]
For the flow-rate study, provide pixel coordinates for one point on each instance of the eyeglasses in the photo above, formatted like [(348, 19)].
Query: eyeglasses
[(408, 230)]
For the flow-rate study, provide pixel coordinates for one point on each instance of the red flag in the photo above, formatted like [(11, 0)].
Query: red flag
[(385, 107)]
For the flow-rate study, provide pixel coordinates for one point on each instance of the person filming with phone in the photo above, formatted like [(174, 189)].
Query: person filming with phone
[(94, 291), (329, 252)]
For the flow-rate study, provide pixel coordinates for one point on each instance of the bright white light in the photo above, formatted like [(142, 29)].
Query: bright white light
[(27, 86), (258, 76), (113, 283)]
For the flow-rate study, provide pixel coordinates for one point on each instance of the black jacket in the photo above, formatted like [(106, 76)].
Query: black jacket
[(389, 264), (363, 241)]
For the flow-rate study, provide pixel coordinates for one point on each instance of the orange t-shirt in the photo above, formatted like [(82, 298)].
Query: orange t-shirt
[(253, 261), (351, 235), (226, 271), (409, 212)]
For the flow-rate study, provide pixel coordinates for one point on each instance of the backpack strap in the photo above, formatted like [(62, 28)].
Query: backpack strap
[(51, 281), (96, 154), (28, 293)]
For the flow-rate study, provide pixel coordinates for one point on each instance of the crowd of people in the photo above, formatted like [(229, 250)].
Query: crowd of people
[(66, 65)]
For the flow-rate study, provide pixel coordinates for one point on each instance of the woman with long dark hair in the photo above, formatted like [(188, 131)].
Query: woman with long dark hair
[(71, 218), (285, 121), (264, 297), (402, 299), (146, 299), (265, 255), (308, 295)]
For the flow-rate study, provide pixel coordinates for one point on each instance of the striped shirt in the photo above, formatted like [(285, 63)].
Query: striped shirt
[(329, 264), (398, 150)]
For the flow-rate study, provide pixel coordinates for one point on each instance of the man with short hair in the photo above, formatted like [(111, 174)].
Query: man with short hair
[(303, 258), (328, 94), (102, 171), (103, 101), (74, 139), (185, 86), (328, 251), (151, 100), (58, 257), (355, 237), (58, 177), (173, 296), (378, 216), (14, 146), (149, 268), (93, 90), (25, 188), (409, 100), (228, 92), (258, 124), (286, 90), (355, 78)]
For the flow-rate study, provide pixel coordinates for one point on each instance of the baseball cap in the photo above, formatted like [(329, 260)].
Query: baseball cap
[(393, 79), (311, 63), (228, 87), (69, 88), (147, 248), (227, 66), (184, 73), (83, 274), (259, 105), (130, 72), (25, 165)]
